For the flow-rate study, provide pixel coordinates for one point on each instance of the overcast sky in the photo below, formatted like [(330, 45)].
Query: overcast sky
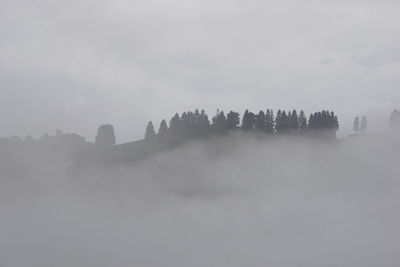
[(76, 64)]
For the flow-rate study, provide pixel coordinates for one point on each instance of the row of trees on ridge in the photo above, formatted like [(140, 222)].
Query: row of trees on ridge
[(197, 124)]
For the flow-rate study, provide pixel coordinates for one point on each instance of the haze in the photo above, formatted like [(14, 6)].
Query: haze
[(280, 144), (231, 201)]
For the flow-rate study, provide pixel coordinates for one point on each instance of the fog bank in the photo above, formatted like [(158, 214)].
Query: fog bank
[(237, 201)]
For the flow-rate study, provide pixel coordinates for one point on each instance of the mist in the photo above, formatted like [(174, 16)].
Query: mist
[(239, 200)]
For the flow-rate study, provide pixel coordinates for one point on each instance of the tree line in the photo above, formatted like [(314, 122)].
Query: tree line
[(196, 124)]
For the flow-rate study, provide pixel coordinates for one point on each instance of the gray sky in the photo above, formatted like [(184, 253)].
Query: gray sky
[(76, 64)]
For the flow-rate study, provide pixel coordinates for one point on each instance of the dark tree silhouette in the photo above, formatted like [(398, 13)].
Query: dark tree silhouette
[(303, 122), (232, 120), (219, 123), (175, 123), (260, 123), (150, 134), (191, 125), (105, 135), (282, 122), (293, 121), (204, 124), (248, 120), (269, 121), (163, 130)]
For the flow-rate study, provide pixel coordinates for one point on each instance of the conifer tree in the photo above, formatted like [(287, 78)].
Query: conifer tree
[(302, 122), (260, 123), (150, 134), (204, 124), (282, 125), (293, 121), (248, 120), (269, 121), (278, 122), (163, 131), (175, 123), (219, 122), (232, 120)]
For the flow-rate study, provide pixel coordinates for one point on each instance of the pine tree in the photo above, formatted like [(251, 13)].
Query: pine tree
[(232, 120), (163, 131), (248, 120), (175, 123), (219, 122), (282, 123), (269, 121), (311, 122), (150, 134), (294, 121), (260, 123), (364, 124), (204, 124), (302, 122), (356, 125)]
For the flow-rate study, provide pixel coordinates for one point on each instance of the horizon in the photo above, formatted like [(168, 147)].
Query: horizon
[(383, 127)]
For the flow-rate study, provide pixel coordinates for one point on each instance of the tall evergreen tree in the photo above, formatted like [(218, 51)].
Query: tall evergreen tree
[(293, 121), (269, 121), (278, 122), (282, 122), (232, 120), (175, 123), (248, 120), (260, 123), (219, 122), (204, 124), (302, 122), (150, 134), (163, 131)]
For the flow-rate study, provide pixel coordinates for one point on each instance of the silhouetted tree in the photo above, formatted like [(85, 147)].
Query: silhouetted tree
[(105, 135), (269, 121), (232, 120), (303, 126), (293, 121), (204, 124), (150, 134), (282, 122), (260, 123), (248, 120), (175, 123), (163, 129), (356, 125), (219, 122)]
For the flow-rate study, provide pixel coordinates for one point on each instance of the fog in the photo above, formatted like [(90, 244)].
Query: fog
[(230, 201), (128, 62)]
